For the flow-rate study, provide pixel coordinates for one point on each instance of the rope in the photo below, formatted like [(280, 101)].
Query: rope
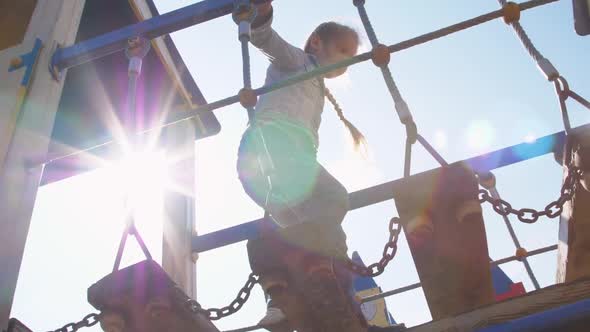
[(562, 95), (136, 50), (247, 329), (400, 105), (203, 109), (360, 5), (524, 38), (462, 26), (247, 72), (401, 109), (246, 63), (408, 158), (579, 99), (432, 151)]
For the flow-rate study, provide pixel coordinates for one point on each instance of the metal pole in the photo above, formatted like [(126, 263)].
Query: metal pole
[(81, 49), (136, 50), (115, 41), (384, 191)]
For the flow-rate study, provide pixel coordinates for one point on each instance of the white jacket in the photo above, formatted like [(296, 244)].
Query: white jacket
[(302, 103)]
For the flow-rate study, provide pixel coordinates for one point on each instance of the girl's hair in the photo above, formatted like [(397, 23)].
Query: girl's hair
[(325, 32), (357, 137)]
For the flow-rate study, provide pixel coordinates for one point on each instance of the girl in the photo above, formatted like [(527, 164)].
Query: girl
[(301, 262)]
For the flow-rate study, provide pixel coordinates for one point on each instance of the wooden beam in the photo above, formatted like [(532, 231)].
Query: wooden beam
[(537, 301), (179, 210), (179, 221), (443, 222), (53, 22), (574, 224), (14, 21)]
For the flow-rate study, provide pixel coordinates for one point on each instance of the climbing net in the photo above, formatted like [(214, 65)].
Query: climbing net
[(381, 55), (244, 14)]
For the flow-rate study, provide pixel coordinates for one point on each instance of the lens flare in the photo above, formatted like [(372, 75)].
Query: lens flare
[(142, 178), (440, 139), (480, 135)]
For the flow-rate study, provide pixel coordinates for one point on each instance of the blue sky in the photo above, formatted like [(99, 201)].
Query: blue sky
[(472, 92)]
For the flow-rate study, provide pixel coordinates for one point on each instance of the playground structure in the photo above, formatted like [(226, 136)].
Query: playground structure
[(461, 298)]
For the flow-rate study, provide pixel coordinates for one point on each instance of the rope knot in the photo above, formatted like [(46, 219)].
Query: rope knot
[(511, 12)]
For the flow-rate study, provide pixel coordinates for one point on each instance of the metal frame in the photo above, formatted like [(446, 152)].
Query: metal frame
[(418, 285), (115, 41), (97, 47), (384, 192), (200, 12), (210, 9)]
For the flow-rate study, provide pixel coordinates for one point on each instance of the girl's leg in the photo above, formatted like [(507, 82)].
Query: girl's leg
[(310, 205), (316, 223), (323, 278), (268, 257)]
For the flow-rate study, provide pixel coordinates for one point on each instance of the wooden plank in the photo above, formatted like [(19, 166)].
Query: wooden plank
[(53, 22), (179, 207), (574, 224), (534, 302), (444, 227), (14, 20), (12, 94)]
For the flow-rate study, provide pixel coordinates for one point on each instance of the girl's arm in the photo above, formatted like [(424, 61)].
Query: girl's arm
[(279, 52)]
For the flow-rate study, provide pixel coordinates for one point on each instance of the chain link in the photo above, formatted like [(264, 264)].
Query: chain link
[(372, 270), (88, 321), (389, 252), (233, 307), (530, 216)]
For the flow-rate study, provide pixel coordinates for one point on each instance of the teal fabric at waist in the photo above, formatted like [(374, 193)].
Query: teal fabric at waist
[(292, 129)]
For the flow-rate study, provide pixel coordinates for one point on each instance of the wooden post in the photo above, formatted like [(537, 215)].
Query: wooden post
[(179, 207), (573, 258), (444, 226), (179, 221), (53, 22)]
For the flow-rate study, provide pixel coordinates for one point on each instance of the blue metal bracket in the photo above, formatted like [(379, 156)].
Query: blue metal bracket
[(384, 192), (27, 60), (115, 41)]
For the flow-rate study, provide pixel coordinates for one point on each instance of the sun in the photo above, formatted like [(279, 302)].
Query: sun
[(140, 181), (142, 173)]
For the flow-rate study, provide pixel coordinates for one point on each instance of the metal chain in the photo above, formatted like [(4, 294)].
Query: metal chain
[(232, 308), (372, 270), (389, 252), (529, 216), (88, 321)]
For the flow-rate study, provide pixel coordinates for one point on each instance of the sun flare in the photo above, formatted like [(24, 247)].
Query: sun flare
[(142, 178)]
